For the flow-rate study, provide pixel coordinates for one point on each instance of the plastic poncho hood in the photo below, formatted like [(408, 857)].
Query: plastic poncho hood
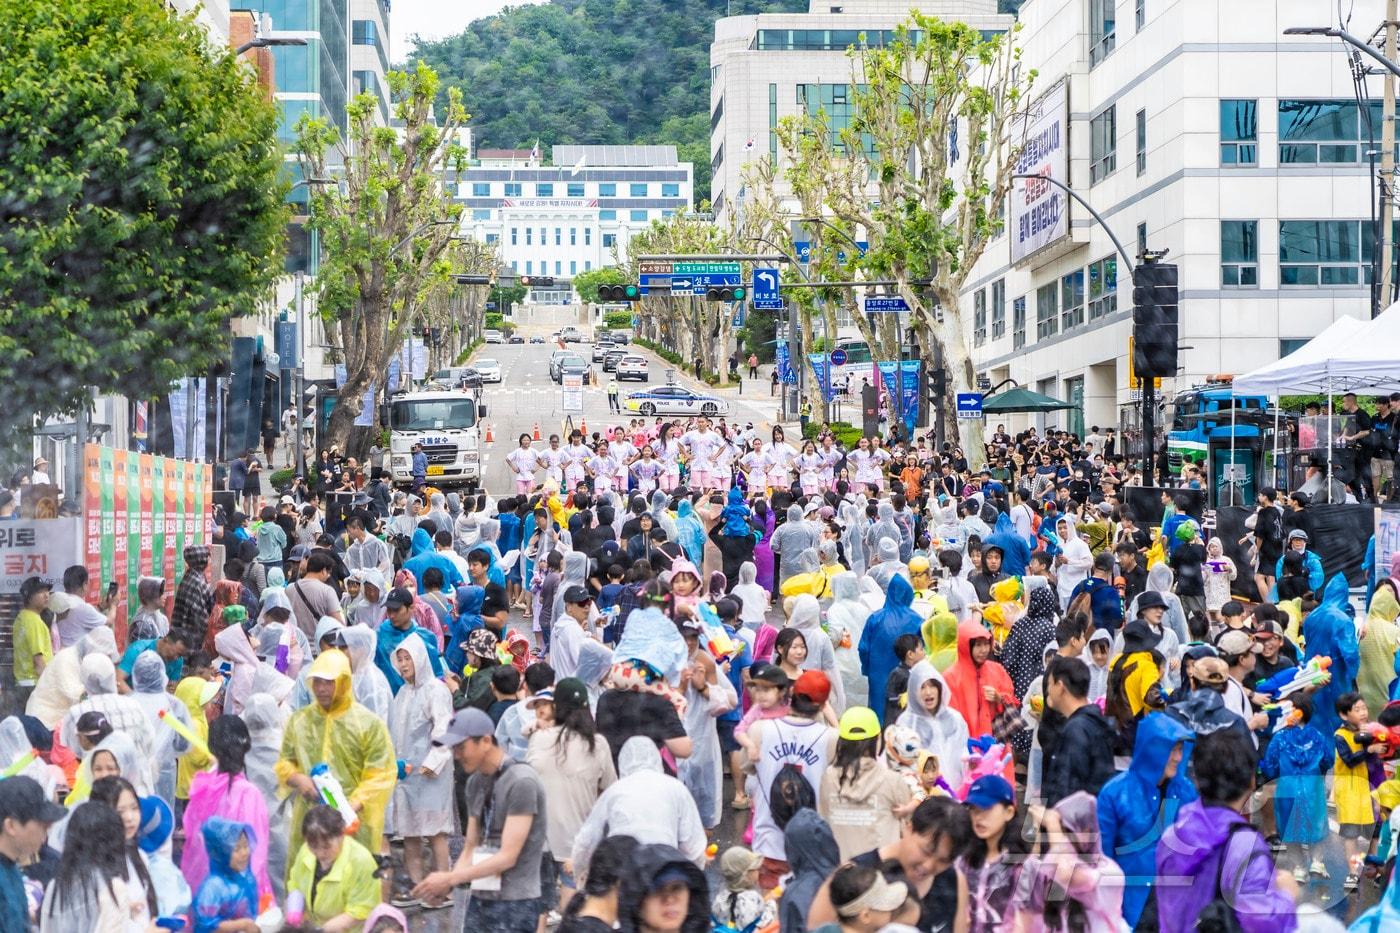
[(941, 731), (333, 665), (652, 638)]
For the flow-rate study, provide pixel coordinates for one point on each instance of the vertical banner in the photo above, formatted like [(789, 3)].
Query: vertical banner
[(156, 540), (109, 515), (822, 364), (174, 528), (909, 393), (888, 373), (786, 374), (1387, 536), (92, 510)]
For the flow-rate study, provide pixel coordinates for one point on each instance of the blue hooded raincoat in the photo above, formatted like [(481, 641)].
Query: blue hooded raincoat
[(1329, 631), (1015, 550), (225, 894), (1135, 808), (876, 648)]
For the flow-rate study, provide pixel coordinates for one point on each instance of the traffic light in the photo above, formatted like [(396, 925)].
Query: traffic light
[(725, 293), (627, 292), (1154, 319), (536, 281)]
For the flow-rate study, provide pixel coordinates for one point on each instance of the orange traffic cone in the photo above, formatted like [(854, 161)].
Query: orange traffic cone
[(490, 437), (537, 430), (583, 428)]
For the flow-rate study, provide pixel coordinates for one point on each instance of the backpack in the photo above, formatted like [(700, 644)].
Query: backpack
[(1218, 916), (789, 792)]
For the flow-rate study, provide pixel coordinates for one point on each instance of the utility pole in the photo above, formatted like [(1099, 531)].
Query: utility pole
[(1387, 239)]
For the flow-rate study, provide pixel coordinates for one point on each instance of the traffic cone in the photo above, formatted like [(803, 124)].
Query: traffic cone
[(537, 430), (583, 428), (490, 436)]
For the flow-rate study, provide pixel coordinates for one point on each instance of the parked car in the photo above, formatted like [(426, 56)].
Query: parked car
[(633, 367), (611, 357), (675, 400), (493, 336), (537, 339), (516, 338), (571, 335)]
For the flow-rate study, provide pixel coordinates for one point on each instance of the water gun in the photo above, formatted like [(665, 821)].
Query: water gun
[(1374, 733), (716, 639), (22, 762), (296, 908), (405, 769), (185, 732), (334, 796), (1313, 674), (1282, 715)]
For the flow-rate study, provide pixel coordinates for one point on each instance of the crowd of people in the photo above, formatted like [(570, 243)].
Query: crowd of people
[(926, 696)]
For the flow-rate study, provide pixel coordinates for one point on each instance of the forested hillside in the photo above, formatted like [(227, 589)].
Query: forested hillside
[(593, 72)]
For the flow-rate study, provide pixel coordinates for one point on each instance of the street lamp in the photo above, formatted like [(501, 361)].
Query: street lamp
[(267, 42), (1336, 33)]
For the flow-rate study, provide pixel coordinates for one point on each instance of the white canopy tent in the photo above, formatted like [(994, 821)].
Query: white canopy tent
[(1349, 355)]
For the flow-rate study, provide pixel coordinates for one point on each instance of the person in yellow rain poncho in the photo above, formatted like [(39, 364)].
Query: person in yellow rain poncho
[(336, 731), (812, 577), (195, 693), (1379, 639), (1005, 609), (941, 639)]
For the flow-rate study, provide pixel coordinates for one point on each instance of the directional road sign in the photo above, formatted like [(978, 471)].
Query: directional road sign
[(765, 290), (884, 304), (705, 268), (654, 275), (969, 405), (803, 249)]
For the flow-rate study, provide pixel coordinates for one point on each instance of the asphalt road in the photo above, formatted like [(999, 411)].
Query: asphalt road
[(526, 397)]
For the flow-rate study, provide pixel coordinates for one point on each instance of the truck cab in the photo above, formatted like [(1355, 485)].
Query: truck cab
[(1224, 435), (447, 425)]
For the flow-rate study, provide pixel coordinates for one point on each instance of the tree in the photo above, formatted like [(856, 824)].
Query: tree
[(507, 296), (142, 209), (939, 122), (385, 232), (586, 283)]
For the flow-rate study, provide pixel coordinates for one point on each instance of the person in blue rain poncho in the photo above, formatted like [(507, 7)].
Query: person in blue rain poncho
[(1137, 805), (469, 602), (1297, 760), (690, 532), (230, 892), (876, 647), (424, 555), (1015, 550), (1330, 632), (398, 626)]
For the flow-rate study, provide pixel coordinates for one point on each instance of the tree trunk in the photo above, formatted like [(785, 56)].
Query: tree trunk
[(957, 360)]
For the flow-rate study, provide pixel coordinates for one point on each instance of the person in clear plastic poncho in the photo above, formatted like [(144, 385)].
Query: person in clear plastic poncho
[(353, 742), (265, 719), (148, 683)]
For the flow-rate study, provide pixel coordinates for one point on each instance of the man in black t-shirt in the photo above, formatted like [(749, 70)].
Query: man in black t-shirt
[(622, 714), (1358, 445), (495, 608), (936, 834)]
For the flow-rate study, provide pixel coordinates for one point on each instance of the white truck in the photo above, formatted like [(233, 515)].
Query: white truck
[(447, 425)]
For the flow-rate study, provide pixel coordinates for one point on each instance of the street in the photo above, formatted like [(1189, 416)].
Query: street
[(526, 397)]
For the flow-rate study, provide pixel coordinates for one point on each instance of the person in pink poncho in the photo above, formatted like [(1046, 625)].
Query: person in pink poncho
[(423, 613), (225, 792)]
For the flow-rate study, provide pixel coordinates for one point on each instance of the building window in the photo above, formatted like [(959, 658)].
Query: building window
[(1141, 143), (481, 213), (544, 190), (1018, 323), (1103, 145), (639, 216), (998, 308), (514, 237), (558, 236), (607, 214), (512, 189), (481, 189), (1139, 14), (1291, 345), (1101, 22), (773, 122), (573, 236), (637, 189), (558, 267), (492, 238), (670, 190), (1047, 311), (366, 32), (979, 317), (607, 189), (587, 236), (588, 265), (609, 240), (575, 189), (1330, 132), (529, 266), (543, 238), (1142, 238), (529, 236), (1239, 253), (1103, 287), (1239, 132), (1072, 300), (573, 267), (1323, 252)]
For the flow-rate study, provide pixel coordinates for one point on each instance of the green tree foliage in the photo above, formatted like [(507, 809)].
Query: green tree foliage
[(617, 320), (505, 296), (593, 72), (586, 283), (141, 206)]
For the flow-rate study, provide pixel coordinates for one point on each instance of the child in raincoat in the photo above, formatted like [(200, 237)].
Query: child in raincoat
[(230, 892), (196, 693), (1219, 571), (1297, 758), (422, 801)]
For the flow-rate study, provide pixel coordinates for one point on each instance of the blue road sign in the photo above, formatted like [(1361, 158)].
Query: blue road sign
[(885, 304), (970, 405), (765, 290), (803, 249), (838, 357), (650, 280)]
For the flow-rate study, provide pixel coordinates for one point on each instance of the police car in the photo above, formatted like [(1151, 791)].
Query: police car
[(676, 400)]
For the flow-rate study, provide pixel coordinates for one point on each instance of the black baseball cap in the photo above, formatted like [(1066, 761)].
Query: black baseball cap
[(770, 674), (33, 585), (577, 594), (398, 598), (22, 798)]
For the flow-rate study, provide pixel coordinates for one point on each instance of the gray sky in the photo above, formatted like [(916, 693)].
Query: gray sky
[(436, 19)]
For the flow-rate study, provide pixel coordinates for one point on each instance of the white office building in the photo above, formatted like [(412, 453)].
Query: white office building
[(774, 65), (575, 215), (1195, 128)]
